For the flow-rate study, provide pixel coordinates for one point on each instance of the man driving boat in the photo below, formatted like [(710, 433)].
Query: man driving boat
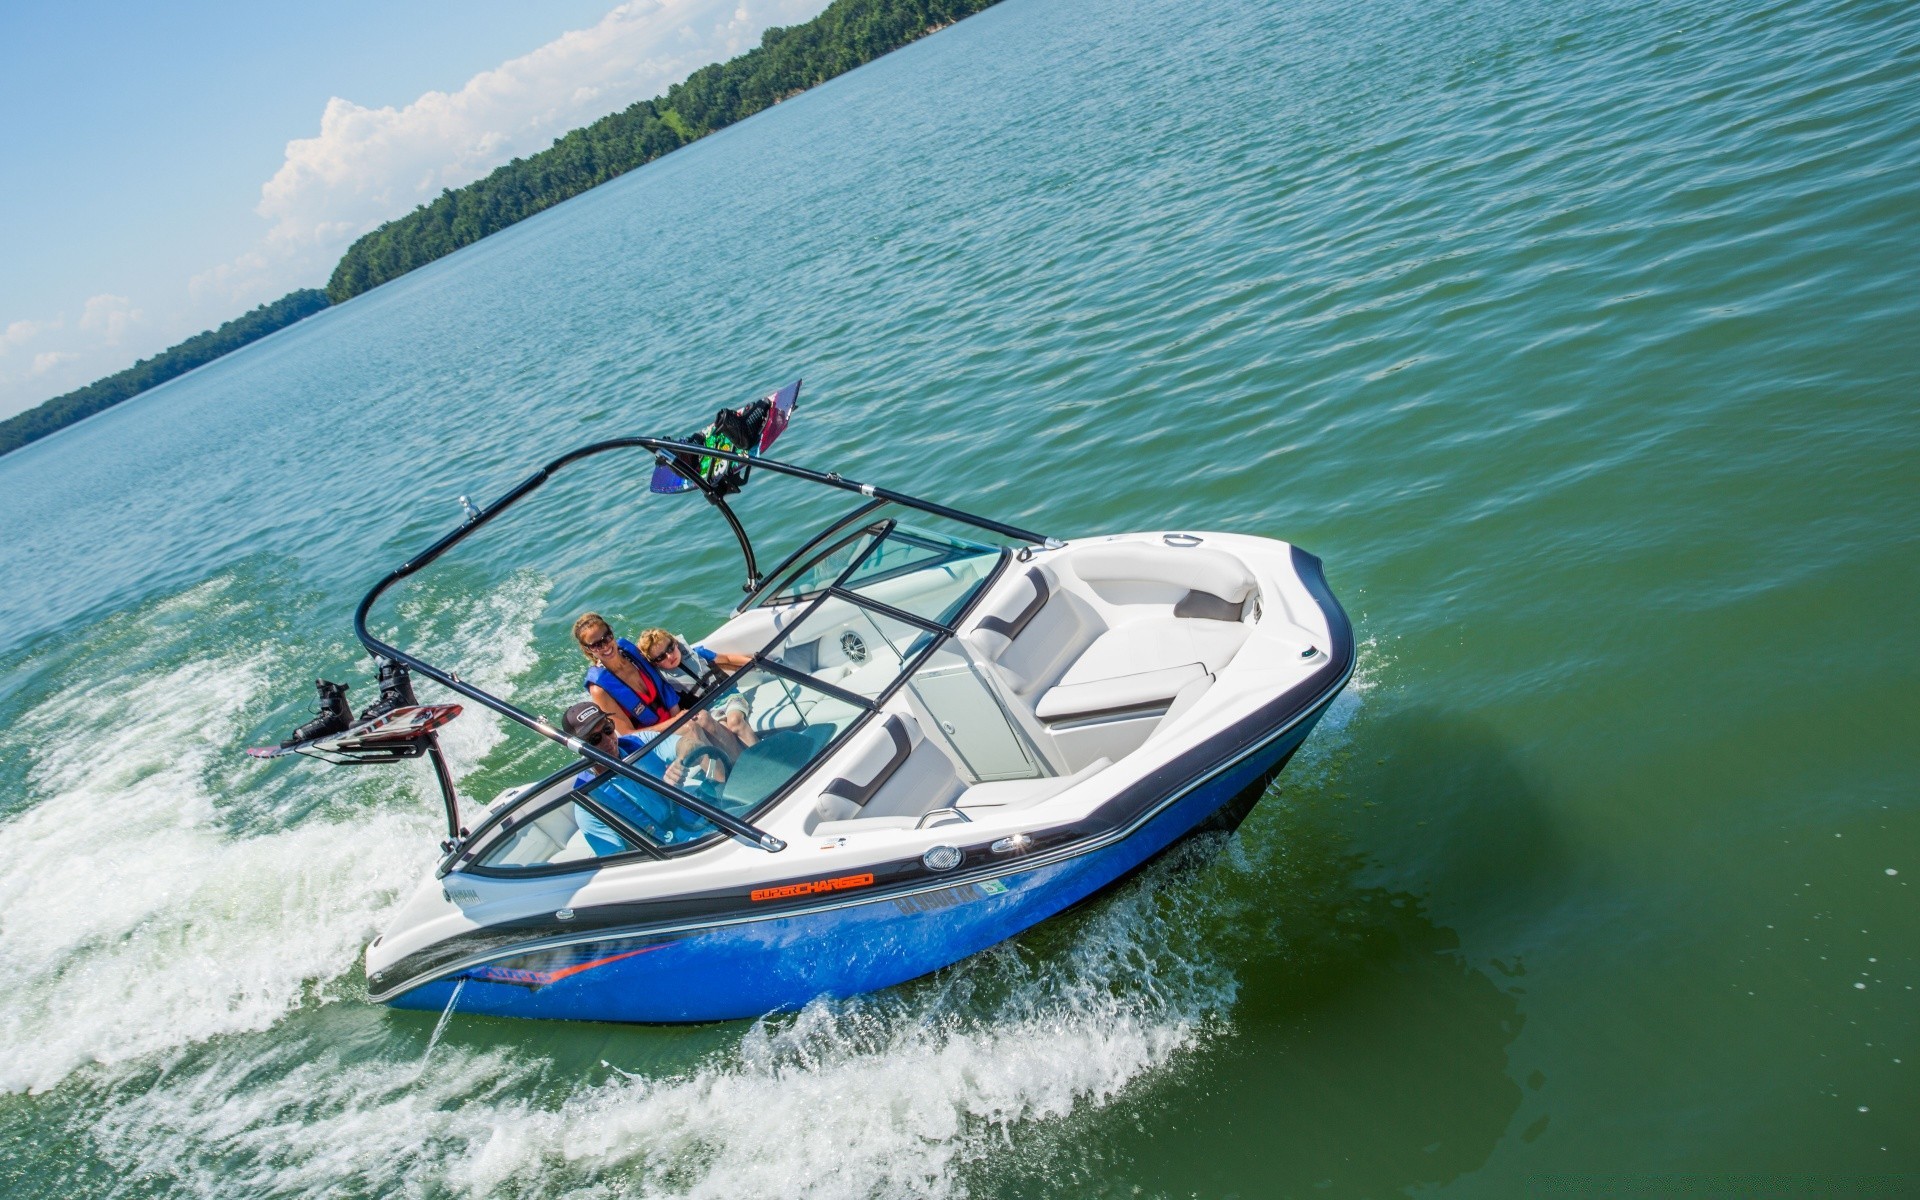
[(647, 810)]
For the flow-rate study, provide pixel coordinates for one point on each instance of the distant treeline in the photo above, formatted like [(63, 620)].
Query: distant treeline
[(199, 349), (787, 61)]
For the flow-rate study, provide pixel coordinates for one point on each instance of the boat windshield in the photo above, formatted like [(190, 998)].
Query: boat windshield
[(791, 723), (885, 605), (928, 575), (888, 560)]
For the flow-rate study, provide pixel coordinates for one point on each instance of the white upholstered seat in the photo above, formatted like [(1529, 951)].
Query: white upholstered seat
[(1034, 631), (890, 776)]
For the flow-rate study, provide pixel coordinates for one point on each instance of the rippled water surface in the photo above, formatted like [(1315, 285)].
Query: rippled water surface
[(1581, 341)]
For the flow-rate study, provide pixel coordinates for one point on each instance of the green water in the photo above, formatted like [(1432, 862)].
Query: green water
[(1581, 341)]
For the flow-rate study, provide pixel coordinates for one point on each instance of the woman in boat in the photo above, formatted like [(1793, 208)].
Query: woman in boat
[(629, 689), (620, 681)]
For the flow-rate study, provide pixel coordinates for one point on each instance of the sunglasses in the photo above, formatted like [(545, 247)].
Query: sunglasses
[(664, 655), (600, 643)]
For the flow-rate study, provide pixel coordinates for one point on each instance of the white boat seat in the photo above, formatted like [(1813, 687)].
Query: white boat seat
[(1010, 794), (890, 771), (1035, 630), (1198, 583), (1156, 644), (1111, 696)]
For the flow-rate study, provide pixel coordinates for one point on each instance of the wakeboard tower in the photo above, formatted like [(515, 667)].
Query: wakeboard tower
[(714, 461), (955, 728)]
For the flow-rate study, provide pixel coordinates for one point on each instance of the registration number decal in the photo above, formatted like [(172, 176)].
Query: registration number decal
[(949, 896)]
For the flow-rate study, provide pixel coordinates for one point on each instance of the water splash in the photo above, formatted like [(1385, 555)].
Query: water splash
[(446, 1014), (156, 897)]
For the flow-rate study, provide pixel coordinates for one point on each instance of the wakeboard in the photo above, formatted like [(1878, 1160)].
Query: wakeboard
[(386, 734)]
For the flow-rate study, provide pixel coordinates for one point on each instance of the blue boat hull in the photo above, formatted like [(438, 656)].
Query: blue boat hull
[(751, 967)]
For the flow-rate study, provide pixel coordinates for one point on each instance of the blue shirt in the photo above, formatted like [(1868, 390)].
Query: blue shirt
[(646, 810)]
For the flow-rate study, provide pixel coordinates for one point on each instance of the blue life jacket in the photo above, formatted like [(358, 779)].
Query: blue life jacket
[(650, 708)]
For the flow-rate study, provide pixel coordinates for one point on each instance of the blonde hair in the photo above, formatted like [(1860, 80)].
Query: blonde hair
[(654, 641), (586, 621)]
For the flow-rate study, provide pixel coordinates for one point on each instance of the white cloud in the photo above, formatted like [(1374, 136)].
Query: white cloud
[(369, 165), (109, 317), (19, 333)]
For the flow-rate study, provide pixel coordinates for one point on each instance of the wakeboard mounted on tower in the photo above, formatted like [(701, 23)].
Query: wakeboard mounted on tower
[(396, 726), (737, 435), (749, 430)]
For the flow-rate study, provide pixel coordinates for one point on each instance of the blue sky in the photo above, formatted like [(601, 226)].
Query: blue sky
[(167, 167)]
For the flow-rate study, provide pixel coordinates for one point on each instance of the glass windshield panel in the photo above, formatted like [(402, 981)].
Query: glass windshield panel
[(930, 575), (566, 832), (853, 648), (914, 539), (812, 577), (647, 811), (756, 732)]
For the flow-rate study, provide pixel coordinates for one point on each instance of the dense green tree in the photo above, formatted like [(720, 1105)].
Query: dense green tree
[(197, 350), (787, 61)]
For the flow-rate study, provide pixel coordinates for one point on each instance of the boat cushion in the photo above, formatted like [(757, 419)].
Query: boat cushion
[(1208, 607), (1009, 794), (1016, 608), (890, 770), (924, 782), (1155, 644), (880, 750), (1119, 693), (1008, 615), (1034, 629), (1210, 572)]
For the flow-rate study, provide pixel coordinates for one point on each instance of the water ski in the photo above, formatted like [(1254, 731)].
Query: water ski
[(395, 734)]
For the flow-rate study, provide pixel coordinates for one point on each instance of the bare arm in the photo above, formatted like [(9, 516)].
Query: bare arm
[(622, 723)]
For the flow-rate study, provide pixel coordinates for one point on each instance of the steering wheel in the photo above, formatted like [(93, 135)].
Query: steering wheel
[(701, 754)]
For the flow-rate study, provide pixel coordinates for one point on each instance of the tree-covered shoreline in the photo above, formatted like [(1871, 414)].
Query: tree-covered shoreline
[(196, 351), (788, 61)]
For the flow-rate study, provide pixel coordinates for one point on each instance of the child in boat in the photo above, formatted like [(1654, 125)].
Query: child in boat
[(694, 671)]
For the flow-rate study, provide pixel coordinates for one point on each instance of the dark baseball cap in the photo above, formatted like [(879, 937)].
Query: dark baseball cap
[(583, 718)]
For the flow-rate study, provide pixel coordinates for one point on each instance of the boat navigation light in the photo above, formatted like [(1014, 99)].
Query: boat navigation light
[(1010, 845), (941, 858)]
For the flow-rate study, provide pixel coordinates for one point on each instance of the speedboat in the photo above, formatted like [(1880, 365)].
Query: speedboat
[(960, 728)]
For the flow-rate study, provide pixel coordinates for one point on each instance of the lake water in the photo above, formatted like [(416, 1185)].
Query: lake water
[(1581, 341)]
